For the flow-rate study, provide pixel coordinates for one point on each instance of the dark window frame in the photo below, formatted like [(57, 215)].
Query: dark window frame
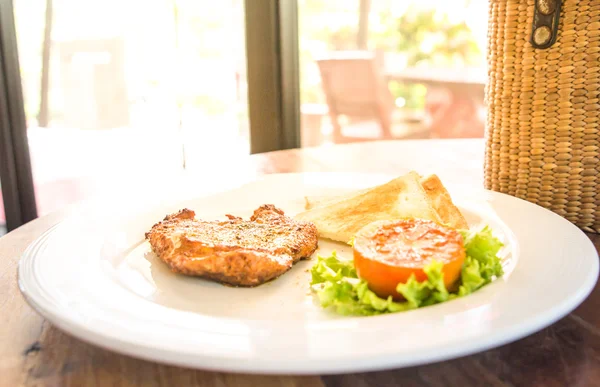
[(273, 74), (15, 165)]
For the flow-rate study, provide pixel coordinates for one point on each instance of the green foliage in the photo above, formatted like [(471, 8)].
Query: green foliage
[(430, 38), (422, 36)]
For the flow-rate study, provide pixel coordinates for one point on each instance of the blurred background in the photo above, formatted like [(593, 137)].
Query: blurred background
[(116, 88)]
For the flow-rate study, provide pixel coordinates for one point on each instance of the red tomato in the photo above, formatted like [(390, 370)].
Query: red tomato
[(387, 253)]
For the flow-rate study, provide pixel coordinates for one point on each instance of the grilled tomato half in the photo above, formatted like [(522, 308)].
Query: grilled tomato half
[(387, 253)]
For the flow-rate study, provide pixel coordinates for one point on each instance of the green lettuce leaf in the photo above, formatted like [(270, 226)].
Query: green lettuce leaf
[(471, 278), (337, 286), (331, 269), (348, 297), (482, 264), (428, 292)]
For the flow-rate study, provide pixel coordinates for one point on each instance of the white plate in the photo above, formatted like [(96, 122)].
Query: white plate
[(94, 277)]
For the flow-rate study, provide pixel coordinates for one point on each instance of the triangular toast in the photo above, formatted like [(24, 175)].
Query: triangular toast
[(442, 202), (403, 197), (311, 202), (440, 199)]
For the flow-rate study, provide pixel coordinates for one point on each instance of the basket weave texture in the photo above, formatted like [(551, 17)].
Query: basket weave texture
[(542, 132)]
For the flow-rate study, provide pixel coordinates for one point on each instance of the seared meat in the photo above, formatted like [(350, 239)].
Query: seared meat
[(235, 251)]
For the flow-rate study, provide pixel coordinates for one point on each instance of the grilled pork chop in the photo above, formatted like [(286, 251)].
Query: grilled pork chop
[(235, 251)]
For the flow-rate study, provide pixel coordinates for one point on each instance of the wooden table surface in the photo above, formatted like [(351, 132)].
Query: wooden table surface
[(454, 101), (34, 353), (458, 78)]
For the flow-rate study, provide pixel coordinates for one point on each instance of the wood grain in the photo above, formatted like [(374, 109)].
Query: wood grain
[(34, 353)]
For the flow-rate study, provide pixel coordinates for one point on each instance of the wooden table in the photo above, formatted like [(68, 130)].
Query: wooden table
[(454, 101), (33, 352)]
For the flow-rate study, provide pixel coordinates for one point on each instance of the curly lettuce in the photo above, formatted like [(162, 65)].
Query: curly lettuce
[(337, 286)]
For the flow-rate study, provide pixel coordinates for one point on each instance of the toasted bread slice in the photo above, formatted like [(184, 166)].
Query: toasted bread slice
[(442, 202), (311, 202), (439, 196), (403, 197)]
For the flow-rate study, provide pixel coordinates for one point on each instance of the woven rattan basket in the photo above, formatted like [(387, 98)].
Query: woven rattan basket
[(542, 132)]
